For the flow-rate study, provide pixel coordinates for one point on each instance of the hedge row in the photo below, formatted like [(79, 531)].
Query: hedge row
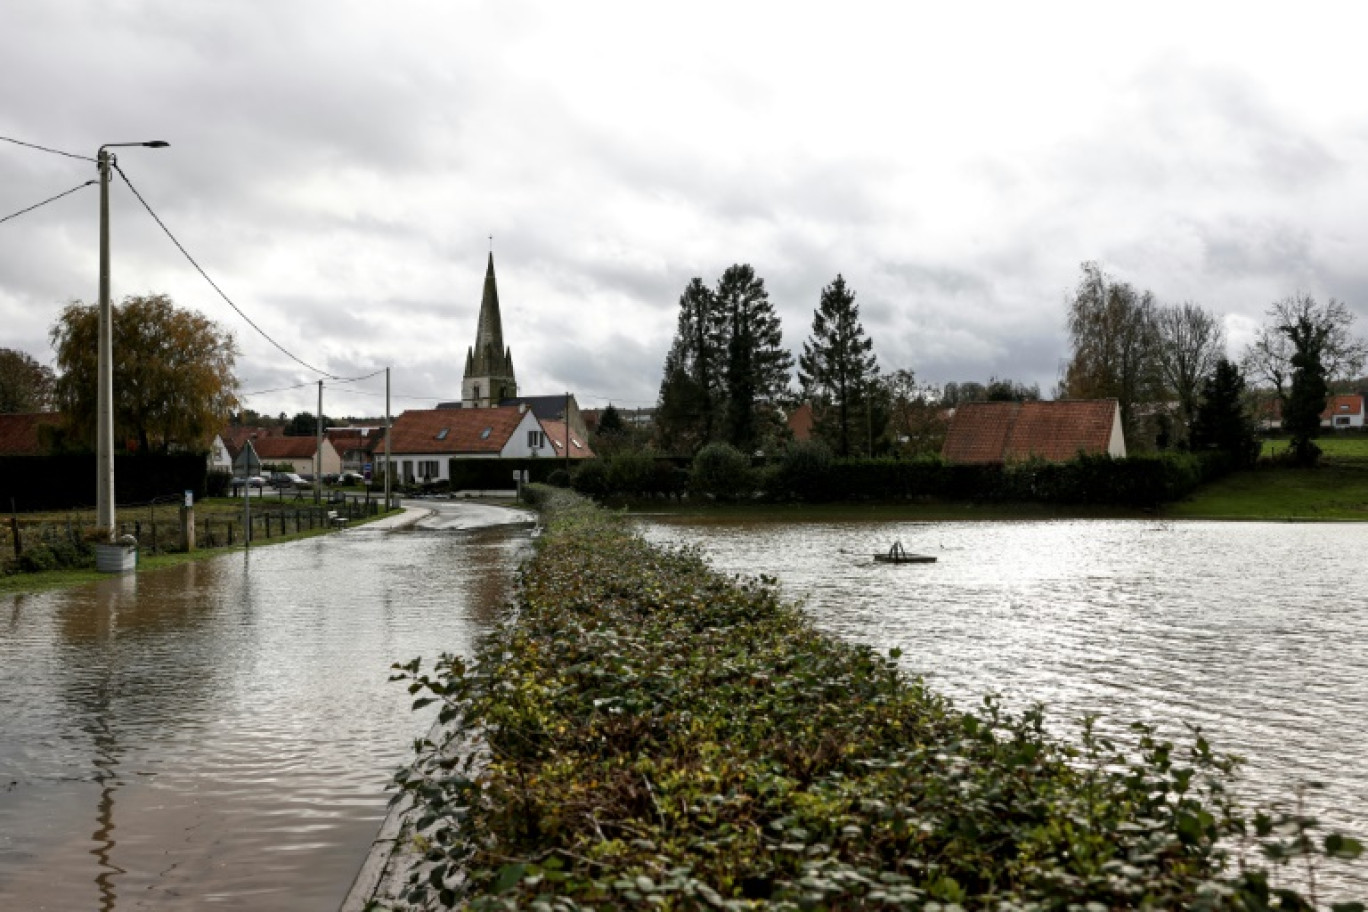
[(644, 733), (806, 475), (67, 480)]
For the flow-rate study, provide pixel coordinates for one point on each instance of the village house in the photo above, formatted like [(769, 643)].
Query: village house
[(28, 433), (354, 445), (425, 442), (295, 452), (1005, 432), (1343, 412)]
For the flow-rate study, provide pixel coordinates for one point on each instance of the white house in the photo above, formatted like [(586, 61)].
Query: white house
[(423, 442), (1343, 412)]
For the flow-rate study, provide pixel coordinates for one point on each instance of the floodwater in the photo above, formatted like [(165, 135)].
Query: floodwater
[(1256, 632), (220, 734)]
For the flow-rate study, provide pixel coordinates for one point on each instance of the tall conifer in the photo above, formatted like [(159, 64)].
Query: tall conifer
[(838, 372)]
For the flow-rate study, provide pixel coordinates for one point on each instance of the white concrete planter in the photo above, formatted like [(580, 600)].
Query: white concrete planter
[(116, 558)]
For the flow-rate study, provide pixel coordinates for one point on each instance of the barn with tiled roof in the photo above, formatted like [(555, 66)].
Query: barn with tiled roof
[(1001, 432)]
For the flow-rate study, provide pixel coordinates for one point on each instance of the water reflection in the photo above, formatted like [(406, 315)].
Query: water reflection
[(222, 732), (1256, 632)]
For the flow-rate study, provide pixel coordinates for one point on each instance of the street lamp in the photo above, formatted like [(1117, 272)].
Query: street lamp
[(104, 434)]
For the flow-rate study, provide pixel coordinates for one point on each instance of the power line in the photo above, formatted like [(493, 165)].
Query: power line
[(179, 246), (313, 383), (48, 200), (20, 142)]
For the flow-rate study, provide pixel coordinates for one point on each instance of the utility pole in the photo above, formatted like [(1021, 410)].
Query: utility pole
[(318, 448), (104, 434), (387, 439), (567, 431), (104, 387)]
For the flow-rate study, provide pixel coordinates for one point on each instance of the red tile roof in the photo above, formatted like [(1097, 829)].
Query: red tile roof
[(555, 435), (1343, 405), (800, 422), (473, 430), (1016, 431), (235, 437), (19, 435), (268, 448)]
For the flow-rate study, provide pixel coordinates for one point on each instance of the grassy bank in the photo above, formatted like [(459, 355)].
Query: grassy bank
[(215, 509), (1336, 490), (654, 735)]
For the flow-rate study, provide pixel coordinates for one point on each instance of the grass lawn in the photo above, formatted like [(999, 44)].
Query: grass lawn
[(1337, 489), (166, 517)]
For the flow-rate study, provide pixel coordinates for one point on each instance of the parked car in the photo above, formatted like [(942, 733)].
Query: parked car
[(282, 480), (330, 478), (351, 478), (255, 481)]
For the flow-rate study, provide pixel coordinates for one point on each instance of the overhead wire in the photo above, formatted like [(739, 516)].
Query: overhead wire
[(20, 142), (48, 200), (181, 247)]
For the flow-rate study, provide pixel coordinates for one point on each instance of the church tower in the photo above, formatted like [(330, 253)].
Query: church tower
[(488, 377)]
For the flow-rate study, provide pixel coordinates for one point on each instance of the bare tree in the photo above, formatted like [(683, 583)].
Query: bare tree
[(1191, 343), (1268, 359), (1115, 342)]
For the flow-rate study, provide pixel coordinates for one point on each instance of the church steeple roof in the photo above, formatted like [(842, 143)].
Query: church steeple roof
[(489, 332), (488, 374)]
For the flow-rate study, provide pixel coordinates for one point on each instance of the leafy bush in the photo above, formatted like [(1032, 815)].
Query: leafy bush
[(721, 471), (803, 472), (645, 733), (591, 478), (559, 478)]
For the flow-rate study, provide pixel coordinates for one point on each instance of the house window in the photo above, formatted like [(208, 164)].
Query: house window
[(477, 391), (1341, 421), (408, 471), (428, 470), (534, 440), (442, 434), (484, 435)]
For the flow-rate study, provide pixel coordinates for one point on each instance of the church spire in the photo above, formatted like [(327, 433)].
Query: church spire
[(489, 365)]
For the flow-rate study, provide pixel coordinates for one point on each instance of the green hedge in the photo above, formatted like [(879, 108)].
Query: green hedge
[(67, 480), (644, 733), (808, 474)]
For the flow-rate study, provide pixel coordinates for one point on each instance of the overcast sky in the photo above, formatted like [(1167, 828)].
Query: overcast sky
[(338, 167)]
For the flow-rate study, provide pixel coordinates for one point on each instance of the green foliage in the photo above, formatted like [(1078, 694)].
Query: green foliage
[(559, 478), (644, 733), (721, 471), (1222, 422), (25, 385), (726, 368), (838, 373), (174, 385), (803, 473)]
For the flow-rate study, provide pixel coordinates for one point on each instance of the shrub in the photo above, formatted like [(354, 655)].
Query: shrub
[(591, 478), (721, 471), (803, 472), (645, 733), (559, 478)]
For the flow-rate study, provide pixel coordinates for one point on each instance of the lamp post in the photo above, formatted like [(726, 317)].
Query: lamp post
[(104, 434)]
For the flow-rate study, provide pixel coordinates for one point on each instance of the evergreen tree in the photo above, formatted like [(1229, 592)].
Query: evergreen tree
[(837, 372), (757, 366), (691, 389), (1306, 400), (610, 422), (1221, 421)]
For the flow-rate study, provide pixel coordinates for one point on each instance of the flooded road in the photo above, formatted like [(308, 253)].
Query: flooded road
[(220, 734), (1257, 632)]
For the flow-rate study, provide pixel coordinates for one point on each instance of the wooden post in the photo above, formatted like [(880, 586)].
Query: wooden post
[(187, 525)]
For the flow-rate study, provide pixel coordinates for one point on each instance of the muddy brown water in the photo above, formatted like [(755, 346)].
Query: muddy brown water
[(1257, 632), (220, 734)]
